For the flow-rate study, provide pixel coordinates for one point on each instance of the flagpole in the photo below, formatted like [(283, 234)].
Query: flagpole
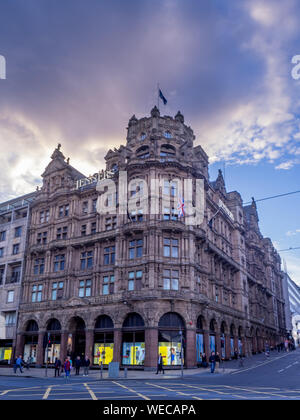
[(158, 96)]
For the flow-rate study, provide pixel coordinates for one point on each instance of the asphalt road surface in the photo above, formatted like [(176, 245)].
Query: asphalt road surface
[(277, 378)]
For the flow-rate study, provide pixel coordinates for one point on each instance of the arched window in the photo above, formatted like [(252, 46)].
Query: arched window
[(53, 325), (32, 326), (104, 322), (200, 323), (143, 136), (171, 319), (167, 135), (168, 151), (142, 152), (133, 320), (103, 340), (212, 325), (133, 340)]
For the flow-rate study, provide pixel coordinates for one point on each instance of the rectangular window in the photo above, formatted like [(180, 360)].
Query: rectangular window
[(85, 288), (108, 285), (62, 233), (94, 205), (170, 214), (2, 236), (41, 238), (171, 280), (18, 232), (110, 223), (15, 274), (57, 290), (63, 211), (2, 269), (10, 296), (135, 280), (136, 216), (10, 319), (1, 252), (171, 248), (59, 263), (93, 228), (36, 294), (86, 260), (16, 249), (39, 266), (136, 249), (109, 255), (83, 230), (85, 207)]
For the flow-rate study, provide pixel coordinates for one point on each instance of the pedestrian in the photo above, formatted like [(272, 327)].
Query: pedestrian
[(86, 366), (236, 354), (57, 367), (18, 364), (212, 361), (67, 368), (77, 365), (160, 364), (204, 360)]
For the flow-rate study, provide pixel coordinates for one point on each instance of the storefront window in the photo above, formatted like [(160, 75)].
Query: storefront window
[(171, 339), (133, 349)]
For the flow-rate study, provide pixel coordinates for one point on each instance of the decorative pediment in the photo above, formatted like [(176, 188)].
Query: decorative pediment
[(76, 301)]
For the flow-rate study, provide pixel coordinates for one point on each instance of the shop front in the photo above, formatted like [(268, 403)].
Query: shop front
[(31, 342), (133, 341), (200, 345), (171, 339), (52, 341), (103, 341), (212, 336), (6, 347)]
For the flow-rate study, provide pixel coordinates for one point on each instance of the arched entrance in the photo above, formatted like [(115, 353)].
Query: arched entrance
[(76, 338), (53, 336), (200, 342), (171, 338), (232, 335), (31, 342), (223, 340), (133, 340), (212, 335), (103, 340)]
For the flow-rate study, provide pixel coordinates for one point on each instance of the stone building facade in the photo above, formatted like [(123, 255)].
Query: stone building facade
[(126, 285), (14, 216)]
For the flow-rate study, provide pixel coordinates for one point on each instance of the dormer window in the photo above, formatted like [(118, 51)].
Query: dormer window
[(143, 152), (168, 135), (143, 136), (167, 152)]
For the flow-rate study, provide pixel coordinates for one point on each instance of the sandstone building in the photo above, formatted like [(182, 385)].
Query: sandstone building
[(14, 216), (126, 287)]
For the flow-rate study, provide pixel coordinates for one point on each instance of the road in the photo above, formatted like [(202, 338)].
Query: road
[(277, 378)]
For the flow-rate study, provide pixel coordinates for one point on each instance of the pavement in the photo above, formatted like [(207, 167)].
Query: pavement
[(274, 378)]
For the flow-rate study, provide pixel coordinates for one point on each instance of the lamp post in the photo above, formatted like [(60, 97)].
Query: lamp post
[(181, 352)]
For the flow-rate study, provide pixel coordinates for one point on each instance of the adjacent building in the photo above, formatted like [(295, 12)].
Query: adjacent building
[(128, 284), (14, 216), (293, 302)]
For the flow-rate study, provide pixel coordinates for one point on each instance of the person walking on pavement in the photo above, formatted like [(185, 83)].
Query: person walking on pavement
[(67, 368), (86, 366), (77, 365), (160, 364), (57, 367), (212, 361), (18, 364)]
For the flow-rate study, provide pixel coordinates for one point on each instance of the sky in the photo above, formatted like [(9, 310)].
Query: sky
[(77, 70)]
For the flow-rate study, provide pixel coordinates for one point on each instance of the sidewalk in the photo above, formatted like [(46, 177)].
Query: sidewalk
[(225, 368), (95, 374)]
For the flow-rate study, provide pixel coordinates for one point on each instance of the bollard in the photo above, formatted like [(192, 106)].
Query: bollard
[(125, 372)]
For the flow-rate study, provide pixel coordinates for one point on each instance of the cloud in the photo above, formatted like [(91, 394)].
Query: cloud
[(76, 78)]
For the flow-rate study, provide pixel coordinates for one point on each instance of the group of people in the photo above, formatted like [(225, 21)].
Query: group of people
[(214, 361), (67, 366)]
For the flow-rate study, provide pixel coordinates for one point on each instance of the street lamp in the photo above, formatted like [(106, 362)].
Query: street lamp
[(181, 352)]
